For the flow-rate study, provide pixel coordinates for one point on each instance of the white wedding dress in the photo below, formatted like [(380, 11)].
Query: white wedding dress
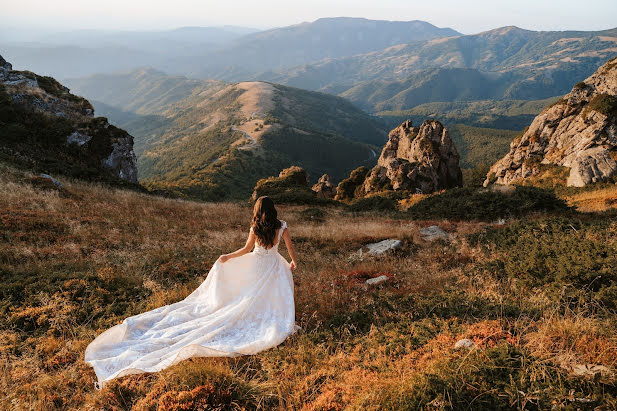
[(244, 306)]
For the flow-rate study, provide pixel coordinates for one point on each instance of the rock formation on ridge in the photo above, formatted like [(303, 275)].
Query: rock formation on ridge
[(578, 133), (417, 159), (324, 187)]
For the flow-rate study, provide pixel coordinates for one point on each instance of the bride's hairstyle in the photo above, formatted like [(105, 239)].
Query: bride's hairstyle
[(265, 221)]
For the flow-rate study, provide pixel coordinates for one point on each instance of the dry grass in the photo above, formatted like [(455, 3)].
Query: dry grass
[(594, 201), (76, 262)]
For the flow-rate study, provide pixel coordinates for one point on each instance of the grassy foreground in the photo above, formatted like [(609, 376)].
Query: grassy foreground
[(537, 296)]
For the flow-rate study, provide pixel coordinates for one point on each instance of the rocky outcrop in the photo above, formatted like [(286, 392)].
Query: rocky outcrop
[(291, 186), (53, 131), (578, 133), (5, 68), (324, 187), (417, 159)]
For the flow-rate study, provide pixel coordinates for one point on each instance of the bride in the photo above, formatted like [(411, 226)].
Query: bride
[(244, 306)]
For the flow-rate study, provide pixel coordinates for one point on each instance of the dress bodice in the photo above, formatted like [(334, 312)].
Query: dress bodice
[(260, 250)]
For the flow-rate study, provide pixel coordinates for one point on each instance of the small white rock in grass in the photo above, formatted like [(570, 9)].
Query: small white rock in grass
[(465, 343), (590, 369), (377, 280), (433, 233), (383, 247)]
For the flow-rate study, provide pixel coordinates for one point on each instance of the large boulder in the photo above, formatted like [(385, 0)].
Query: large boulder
[(324, 187), (574, 140), (417, 159)]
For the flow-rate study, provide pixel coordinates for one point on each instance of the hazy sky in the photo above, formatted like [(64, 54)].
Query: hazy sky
[(465, 16)]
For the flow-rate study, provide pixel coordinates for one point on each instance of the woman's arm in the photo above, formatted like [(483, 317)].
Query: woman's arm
[(290, 249), (250, 242)]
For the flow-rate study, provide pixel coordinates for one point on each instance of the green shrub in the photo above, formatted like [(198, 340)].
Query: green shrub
[(345, 191), (557, 252), (474, 177), (602, 103), (487, 203), (373, 203), (470, 380), (290, 186), (313, 214)]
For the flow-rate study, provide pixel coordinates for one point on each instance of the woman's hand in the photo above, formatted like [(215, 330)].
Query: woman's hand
[(293, 265), (223, 258)]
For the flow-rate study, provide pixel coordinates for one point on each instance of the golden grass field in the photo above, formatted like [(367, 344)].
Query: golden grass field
[(76, 261)]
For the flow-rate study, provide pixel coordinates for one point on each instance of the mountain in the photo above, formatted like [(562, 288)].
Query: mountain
[(572, 142), (85, 52), (45, 128), (507, 63), (228, 53), (308, 42), (213, 140)]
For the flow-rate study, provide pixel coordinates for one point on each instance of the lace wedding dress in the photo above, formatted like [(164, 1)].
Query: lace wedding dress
[(244, 306)]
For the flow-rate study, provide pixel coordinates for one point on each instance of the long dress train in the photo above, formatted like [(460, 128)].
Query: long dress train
[(244, 306)]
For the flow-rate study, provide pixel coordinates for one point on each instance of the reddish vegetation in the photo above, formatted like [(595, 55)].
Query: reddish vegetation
[(71, 267)]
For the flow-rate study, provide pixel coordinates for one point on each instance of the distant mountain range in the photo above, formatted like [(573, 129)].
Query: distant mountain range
[(86, 52), (509, 63), (221, 52), (306, 43), (379, 65), (213, 140)]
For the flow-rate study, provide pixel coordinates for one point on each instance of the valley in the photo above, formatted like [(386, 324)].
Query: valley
[(213, 140)]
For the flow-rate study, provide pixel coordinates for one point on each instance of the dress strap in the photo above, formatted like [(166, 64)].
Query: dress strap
[(283, 227)]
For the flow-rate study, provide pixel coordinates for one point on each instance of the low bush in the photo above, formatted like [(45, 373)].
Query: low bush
[(603, 103), (487, 203), (571, 257), (373, 203), (345, 191), (290, 187)]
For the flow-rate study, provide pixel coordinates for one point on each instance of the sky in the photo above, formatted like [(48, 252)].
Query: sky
[(465, 16)]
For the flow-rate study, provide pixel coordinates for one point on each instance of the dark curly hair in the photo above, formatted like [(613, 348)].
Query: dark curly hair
[(265, 221)]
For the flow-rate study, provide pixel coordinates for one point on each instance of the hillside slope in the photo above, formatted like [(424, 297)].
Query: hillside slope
[(526, 294), (218, 139), (45, 128)]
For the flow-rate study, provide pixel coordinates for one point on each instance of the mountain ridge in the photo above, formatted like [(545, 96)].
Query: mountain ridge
[(545, 62), (219, 138)]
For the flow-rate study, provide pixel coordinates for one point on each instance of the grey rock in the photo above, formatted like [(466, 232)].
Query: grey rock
[(465, 343), (122, 160), (5, 68), (377, 280), (383, 247), (433, 233), (77, 138)]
